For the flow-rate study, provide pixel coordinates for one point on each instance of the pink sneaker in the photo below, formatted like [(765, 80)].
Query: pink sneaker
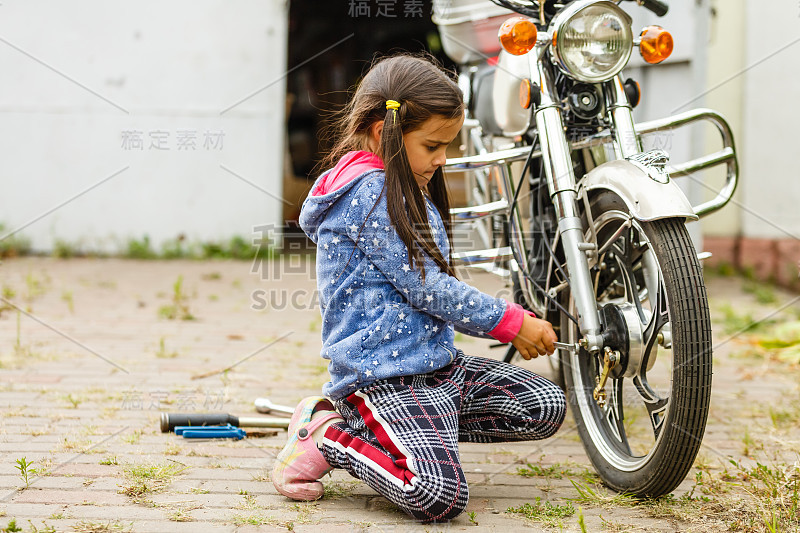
[(300, 464)]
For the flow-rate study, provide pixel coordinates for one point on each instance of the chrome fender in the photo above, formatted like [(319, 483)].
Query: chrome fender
[(646, 197)]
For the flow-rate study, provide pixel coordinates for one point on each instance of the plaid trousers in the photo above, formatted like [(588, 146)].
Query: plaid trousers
[(400, 435)]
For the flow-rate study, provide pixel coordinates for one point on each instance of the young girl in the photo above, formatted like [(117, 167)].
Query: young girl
[(401, 396)]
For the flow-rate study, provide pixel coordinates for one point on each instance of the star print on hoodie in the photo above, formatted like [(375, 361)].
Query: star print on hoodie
[(380, 320)]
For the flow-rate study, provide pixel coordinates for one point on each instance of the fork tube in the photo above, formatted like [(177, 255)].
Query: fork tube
[(620, 115), (561, 185)]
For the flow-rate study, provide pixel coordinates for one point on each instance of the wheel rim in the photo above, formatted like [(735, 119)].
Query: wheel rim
[(629, 428)]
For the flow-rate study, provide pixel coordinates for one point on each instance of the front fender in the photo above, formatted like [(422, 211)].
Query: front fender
[(646, 198)]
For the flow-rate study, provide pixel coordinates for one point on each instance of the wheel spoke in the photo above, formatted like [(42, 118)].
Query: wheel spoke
[(623, 250), (615, 415), (658, 318), (656, 405)]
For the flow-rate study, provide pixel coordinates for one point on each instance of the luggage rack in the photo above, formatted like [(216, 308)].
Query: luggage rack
[(490, 258)]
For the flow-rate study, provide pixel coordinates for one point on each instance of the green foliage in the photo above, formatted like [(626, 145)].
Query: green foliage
[(581, 521), (553, 471), (26, 470), (140, 249), (44, 529), (236, 247), (142, 479), (11, 527), (162, 352), (175, 248), (65, 250), (735, 323), (546, 512), (764, 293), (14, 245), (179, 308)]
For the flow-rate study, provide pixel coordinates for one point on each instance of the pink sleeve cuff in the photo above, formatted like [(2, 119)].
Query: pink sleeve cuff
[(511, 323)]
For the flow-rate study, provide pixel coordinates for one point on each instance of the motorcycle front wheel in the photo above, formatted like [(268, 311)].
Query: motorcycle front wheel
[(643, 438)]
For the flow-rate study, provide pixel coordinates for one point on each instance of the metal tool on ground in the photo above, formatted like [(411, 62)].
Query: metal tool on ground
[(211, 432), (264, 405), (171, 420)]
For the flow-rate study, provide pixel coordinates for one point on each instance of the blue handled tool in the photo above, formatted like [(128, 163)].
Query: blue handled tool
[(211, 432)]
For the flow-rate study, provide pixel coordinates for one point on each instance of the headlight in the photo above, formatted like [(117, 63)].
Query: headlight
[(592, 40)]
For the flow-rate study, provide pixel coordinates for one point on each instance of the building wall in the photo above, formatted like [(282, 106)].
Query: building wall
[(754, 78), (135, 111)]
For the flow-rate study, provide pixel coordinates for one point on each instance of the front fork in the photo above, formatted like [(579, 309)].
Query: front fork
[(561, 183)]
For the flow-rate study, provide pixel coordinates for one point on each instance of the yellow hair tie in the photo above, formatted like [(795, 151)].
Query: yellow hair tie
[(394, 105)]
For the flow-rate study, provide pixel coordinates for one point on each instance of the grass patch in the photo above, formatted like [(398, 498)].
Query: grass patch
[(14, 245), (735, 322), (179, 307), (133, 438), (555, 471), (179, 515), (11, 526), (237, 247), (140, 249), (340, 489), (88, 526), (544, 513), (143, 479), (592, 496), (558, 471), (251, 519), (762, 292), (162, 352)]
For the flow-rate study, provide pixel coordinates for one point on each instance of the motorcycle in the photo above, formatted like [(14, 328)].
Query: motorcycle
[(600, 246)]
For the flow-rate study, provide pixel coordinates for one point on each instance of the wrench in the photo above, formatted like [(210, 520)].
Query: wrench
[(264, 405), (565, 346)]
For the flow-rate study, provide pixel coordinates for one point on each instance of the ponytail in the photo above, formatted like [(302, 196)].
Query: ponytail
[(405, 202)]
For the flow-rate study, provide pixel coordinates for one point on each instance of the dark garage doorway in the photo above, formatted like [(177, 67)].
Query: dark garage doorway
[(330, 46)]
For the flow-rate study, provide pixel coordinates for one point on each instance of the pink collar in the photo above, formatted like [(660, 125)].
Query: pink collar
[(349, 167)]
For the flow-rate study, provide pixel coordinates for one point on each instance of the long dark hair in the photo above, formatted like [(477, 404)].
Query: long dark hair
[(424, 90)]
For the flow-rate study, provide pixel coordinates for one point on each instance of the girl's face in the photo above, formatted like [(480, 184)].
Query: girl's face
[(425, 146)]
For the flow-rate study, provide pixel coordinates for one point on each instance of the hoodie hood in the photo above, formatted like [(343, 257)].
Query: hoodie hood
[(332, 184)]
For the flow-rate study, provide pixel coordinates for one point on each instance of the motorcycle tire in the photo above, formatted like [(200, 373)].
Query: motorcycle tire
[(645, 457)]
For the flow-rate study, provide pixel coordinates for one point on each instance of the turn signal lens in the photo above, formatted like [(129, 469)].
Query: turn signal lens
[(518, 35), (525, 93), (656, 44)]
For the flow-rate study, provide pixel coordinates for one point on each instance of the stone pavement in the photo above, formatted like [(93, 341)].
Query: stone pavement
[(92, 360)]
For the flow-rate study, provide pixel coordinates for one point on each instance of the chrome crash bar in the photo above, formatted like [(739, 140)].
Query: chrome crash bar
[(503, 159)]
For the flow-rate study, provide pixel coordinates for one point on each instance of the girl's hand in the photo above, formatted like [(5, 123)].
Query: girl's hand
[(535, 338)]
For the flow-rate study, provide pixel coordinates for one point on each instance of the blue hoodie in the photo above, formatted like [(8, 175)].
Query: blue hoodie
[(380, 320)]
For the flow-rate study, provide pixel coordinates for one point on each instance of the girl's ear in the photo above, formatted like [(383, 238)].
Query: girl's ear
[(374, 140)]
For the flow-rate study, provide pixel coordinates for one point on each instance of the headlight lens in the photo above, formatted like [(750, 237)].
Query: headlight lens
[(593, 41)]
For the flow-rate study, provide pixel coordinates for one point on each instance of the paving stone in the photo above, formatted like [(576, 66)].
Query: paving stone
[(36, 414), (164, 526), (33, 495)]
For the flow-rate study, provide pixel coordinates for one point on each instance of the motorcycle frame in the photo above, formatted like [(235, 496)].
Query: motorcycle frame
[(565, 188)]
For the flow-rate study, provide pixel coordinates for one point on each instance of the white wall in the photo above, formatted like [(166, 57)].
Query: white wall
[(725, 94), (148, 66), (769, 143)]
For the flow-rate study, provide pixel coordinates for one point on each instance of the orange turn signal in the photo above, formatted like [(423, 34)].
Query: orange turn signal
[(518, 35), (656, 44), (525, 93)]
